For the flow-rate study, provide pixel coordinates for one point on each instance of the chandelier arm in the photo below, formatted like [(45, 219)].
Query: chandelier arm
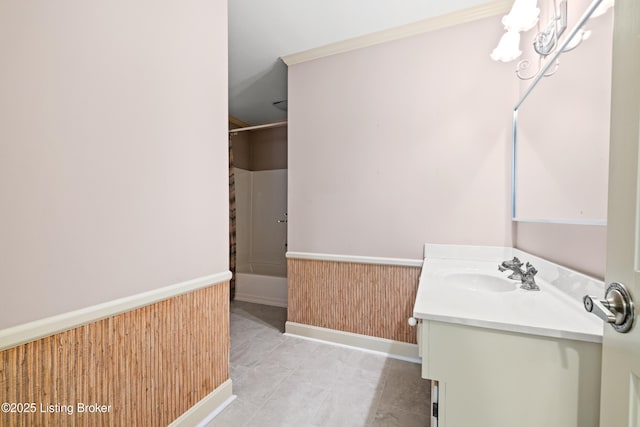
[(523, 66), (545, 69), (551, 73)]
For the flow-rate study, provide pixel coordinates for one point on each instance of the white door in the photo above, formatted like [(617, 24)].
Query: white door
[(620, 394)]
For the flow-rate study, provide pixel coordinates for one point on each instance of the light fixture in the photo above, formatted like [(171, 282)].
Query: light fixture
[(509, 47), (578, 38), (524, 15), (546, 40)]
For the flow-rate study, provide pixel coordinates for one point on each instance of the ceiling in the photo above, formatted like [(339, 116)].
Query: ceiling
[(262, 31)]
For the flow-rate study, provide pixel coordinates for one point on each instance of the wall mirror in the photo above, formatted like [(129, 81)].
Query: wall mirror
[(561, 131)]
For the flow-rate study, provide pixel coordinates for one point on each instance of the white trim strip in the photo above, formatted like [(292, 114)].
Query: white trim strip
[(355, 259), (31, 331), (593, 222), (386, 347), (430, 24), (205, 410)]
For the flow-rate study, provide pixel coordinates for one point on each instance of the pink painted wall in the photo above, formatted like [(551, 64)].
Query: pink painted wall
[(400, 144), (113, 158), (580, 247)]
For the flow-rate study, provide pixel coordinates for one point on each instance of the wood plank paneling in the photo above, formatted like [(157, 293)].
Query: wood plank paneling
[(146, 366), (368, 299)]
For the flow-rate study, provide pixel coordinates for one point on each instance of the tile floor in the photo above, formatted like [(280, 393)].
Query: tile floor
[(284, 381)]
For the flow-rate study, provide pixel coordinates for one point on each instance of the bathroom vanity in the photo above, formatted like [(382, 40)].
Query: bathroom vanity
[(502, 356)]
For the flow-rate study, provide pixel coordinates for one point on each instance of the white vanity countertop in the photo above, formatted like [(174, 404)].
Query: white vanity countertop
[(554, 311)]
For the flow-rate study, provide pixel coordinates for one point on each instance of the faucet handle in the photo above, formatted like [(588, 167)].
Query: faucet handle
[(528, 279), (513, 265), (530, 270)]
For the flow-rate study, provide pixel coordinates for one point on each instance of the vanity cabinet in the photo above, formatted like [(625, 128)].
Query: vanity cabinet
[(504, 356), (493, 378)]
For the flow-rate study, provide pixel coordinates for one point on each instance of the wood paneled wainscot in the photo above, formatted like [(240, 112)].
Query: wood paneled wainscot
[(144, 367), (365, 298)]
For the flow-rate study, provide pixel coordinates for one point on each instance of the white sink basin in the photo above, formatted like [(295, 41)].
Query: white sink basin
[(462, 285), (480, 282)]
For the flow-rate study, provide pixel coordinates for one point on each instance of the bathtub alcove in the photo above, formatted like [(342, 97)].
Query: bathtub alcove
[(260, 175)]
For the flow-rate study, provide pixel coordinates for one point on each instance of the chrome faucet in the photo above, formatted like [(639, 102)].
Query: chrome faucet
[(525, 276), (514, 266), (528, 279)]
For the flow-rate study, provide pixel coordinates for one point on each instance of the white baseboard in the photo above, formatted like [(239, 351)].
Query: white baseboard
[(205, 410), (261, 289), (390, 348), (258, 299)]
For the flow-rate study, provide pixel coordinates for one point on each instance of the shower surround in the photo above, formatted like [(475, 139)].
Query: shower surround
[(261, 236)]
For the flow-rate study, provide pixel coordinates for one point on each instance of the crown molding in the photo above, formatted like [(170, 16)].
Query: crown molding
[(475, 13)]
